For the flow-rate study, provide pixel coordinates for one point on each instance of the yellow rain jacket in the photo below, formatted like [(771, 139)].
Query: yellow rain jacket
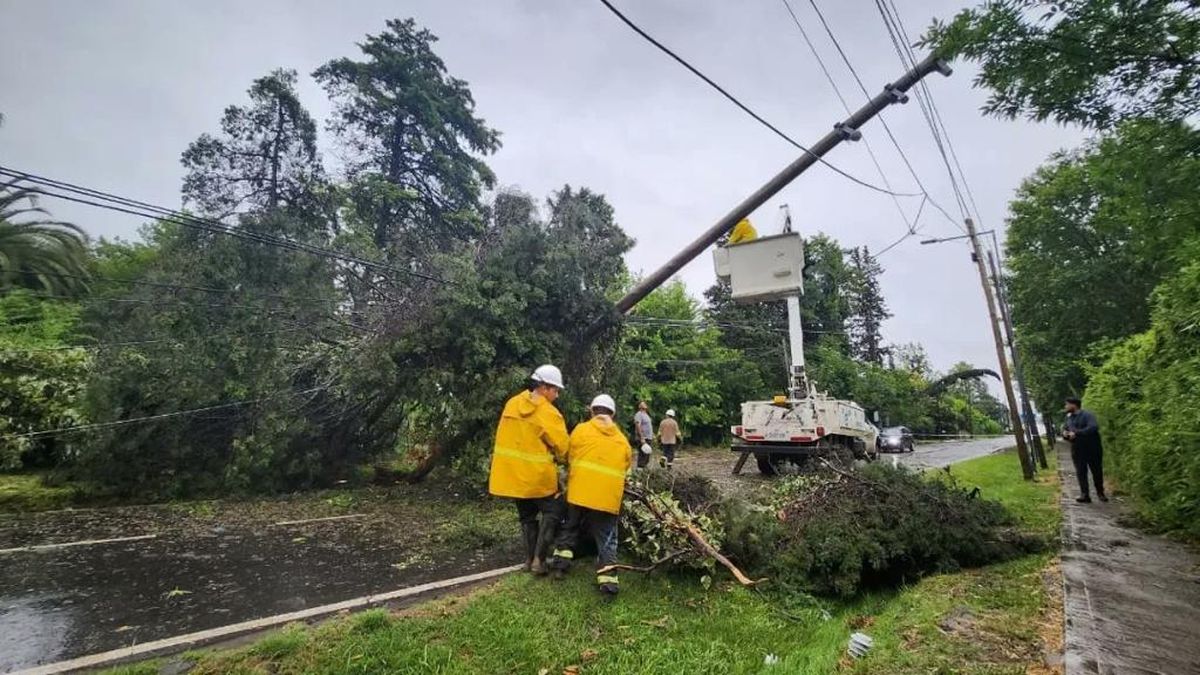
[(743, 232), (596, 465), (530, 437)]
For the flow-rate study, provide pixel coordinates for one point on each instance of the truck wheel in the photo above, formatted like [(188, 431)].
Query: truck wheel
[(768, 464)]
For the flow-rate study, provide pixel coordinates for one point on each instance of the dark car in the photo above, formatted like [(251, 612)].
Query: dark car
[(896, 439)]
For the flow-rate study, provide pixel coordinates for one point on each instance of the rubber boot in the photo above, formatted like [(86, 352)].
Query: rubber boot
[(529, 532)]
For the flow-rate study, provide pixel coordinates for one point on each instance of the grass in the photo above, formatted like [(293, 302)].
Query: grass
[(989, 620), (27, 492)]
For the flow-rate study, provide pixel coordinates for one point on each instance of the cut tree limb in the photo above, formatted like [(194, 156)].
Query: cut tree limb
[(698, 541)]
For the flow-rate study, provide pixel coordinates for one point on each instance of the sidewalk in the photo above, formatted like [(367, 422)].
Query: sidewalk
[(1131, 600)]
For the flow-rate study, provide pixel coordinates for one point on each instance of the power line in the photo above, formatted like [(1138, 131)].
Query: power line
[(899, 41), (135, 343), (180, 287), (703, 323), (845, 106), (113, 202), (150, 418), (746, 109), (913, 230), (887, 129), (925, 95)]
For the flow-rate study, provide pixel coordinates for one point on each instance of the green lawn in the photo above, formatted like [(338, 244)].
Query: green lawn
[(26, 492), (990, 620)]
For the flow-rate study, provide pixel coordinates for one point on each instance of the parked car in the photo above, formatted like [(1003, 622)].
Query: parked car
[(896, 439)]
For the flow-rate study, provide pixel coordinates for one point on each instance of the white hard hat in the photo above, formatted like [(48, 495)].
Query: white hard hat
[(604, 401), (548, 374), (671, 412)]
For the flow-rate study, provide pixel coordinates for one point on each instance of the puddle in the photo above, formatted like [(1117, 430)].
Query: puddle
[(33, 630)]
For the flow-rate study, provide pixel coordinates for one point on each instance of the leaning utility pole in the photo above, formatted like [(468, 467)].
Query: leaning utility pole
[(1014, 413), (1039, 454), (845, 130)]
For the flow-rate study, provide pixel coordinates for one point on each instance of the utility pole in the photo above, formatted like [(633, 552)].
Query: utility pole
[(1039, 454), (1013, 412), (848, 129)]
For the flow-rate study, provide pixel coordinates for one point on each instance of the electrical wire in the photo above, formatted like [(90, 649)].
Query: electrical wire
[(908, 234), (113, 202), (179, 287), (150, 418), (134, 343), (883, 122), (746, 109), (925, 99), (925, 95), (845, 106)]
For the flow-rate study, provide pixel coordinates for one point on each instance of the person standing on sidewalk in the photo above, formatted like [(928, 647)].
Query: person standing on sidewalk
[(1083, 431), (668, 436), (643, 428), (530, 438), (597, 464)]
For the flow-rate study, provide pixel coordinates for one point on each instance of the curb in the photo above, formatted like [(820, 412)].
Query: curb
[(205, 637)]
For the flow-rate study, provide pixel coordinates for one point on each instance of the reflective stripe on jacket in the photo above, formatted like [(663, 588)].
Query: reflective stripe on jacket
[(596, 465), (530, 437)]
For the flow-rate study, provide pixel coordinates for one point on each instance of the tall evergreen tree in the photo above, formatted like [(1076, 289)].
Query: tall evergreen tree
[(412, 141), (868, 309), (264, 160)]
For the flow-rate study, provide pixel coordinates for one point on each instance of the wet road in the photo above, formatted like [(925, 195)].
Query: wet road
[(936, 455), (58, 603)]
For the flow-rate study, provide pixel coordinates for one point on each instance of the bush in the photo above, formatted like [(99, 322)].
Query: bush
[(873, 527), (1145, 396), (41, 380)]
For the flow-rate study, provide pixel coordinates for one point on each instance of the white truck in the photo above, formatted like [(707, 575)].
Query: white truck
[(789, 429)]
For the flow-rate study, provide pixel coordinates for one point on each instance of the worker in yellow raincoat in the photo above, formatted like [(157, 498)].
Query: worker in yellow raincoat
[(743, 232), (530, 439), (596, 466)]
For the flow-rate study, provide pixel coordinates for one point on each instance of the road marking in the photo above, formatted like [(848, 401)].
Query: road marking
[(69, 544), (319, 520), (191, 640)]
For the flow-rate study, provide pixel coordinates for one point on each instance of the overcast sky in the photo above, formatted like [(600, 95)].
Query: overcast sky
[(108, 93)]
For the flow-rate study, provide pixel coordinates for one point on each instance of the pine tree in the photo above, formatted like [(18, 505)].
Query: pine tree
[(412, 143), (265, 159), (868, 309)]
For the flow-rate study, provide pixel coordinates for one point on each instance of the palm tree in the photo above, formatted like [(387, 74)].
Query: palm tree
[(42, 255)]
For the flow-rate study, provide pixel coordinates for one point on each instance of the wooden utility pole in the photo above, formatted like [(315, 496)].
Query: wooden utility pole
[(1014, 413), (1039, 454)]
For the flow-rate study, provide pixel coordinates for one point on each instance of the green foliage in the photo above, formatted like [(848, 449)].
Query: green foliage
[(41, 379), (266, 157), (1145, 396), (679, 363), (1091, 234), (876, 526), (402, 120), (1092, 62), (42, 255), (654, 514), (868, 309)]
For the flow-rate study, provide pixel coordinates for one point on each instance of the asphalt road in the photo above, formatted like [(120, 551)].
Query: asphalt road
[(936, 455), (85, 586)]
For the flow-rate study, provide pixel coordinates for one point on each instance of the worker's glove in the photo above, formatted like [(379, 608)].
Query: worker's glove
[(646, 449)]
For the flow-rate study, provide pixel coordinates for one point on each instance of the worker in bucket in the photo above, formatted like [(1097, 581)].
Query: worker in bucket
[(643, 428), (530, 438), (668, 438), (596, 467), (743, 232)]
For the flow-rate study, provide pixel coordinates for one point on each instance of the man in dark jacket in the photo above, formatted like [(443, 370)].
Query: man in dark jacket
[(1083, 431)]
